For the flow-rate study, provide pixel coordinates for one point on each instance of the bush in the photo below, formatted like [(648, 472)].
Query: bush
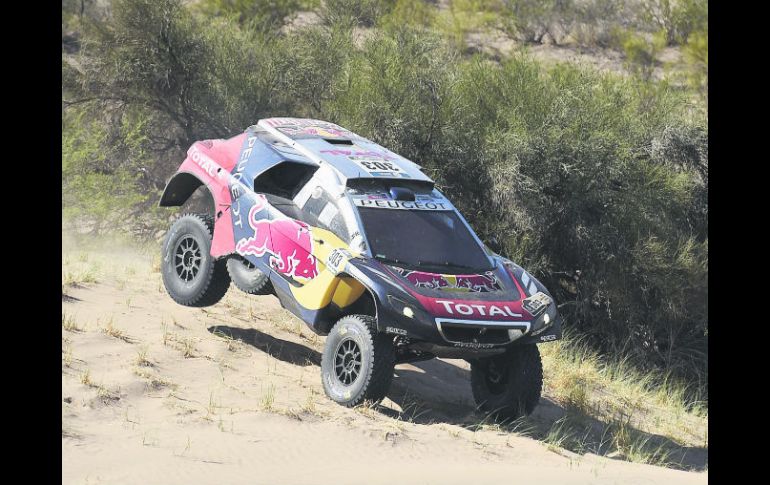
[(264, 15), (536, 20), (696, 54), (103, 170), (641, 53), (361, 12), (677, 18), (597, 20)]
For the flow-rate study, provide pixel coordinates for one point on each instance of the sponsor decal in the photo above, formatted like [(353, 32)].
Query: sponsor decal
[(394, 330), (359, 155), (282, 239), (401, 204), (390, 174), (457, 308), (295, 127), (207, 164), (536, 303), (236, 187), (376, 163), (473, 345), (547, 338), (471, 283)]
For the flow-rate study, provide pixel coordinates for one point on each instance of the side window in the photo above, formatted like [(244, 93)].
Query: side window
[(321, 207), (284, 179)]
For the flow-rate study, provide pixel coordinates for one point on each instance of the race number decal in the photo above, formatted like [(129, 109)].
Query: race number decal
[(337, 260), (377, 166)]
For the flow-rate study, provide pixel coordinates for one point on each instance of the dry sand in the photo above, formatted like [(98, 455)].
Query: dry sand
[(153, 394)]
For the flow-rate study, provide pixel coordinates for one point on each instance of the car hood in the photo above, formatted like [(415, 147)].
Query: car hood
[(489, 295)]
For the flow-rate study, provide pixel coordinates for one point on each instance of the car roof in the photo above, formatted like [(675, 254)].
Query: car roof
[(351, 155)]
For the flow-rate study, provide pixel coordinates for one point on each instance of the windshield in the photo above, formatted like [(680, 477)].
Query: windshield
[(423, 239)]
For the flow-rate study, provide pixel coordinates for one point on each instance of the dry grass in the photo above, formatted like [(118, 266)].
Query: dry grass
[(188, 348), (141, 358), (154, 381), (268, 398), (78, 278), (629, 408), (233, 345), (69, 324), (85, 378), (113, 331), (67, 357), (581, 381)]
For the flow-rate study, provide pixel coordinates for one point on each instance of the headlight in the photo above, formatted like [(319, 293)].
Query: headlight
[(408, 309)]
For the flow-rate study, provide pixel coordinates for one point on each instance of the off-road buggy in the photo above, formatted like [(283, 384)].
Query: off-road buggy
[(357, 242)]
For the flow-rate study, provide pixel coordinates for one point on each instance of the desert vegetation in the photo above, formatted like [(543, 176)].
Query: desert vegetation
[(596, 181)]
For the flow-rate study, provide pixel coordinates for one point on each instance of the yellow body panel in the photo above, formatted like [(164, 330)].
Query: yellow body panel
[(347, 292), (327, 287)]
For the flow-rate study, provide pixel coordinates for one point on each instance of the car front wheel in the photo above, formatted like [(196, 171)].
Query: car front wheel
[(357, 362), (508, 385)]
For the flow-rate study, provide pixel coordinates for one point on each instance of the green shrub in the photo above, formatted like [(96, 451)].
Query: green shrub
[(409, 13), (536, 20), (677, 18), (464, 17), (597, 20), (696, 53), (102, 171), (641, 53), (261, 14), (361, 12)]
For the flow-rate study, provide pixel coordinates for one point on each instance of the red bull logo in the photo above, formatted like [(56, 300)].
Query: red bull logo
[(473, 283), (288, 242)]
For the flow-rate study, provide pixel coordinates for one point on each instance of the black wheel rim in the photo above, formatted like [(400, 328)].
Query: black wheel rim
[(496, 377), (247, 263), (187, 259), (347, 362)]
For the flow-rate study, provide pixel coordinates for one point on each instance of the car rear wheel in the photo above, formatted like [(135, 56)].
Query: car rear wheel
[(247, 277), (357, 362), (508, 385), (192, 277)]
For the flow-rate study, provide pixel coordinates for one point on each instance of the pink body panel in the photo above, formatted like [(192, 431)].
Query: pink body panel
[(212, 161), (474, 309)]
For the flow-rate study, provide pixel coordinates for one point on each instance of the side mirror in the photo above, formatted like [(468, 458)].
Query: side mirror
[(494, 245)]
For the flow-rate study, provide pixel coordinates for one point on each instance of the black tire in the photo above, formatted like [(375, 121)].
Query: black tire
[(508, 385), (375, 369), (192, 277), (247, 277)]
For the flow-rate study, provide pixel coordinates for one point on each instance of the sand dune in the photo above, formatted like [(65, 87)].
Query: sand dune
[(153, 392)]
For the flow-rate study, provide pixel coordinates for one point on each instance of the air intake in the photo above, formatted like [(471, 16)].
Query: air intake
[(401, 193)]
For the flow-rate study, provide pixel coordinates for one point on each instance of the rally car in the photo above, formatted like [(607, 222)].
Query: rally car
[(358, 243)]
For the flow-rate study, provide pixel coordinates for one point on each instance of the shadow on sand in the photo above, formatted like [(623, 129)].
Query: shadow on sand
[(282, 350), (436, 391)]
